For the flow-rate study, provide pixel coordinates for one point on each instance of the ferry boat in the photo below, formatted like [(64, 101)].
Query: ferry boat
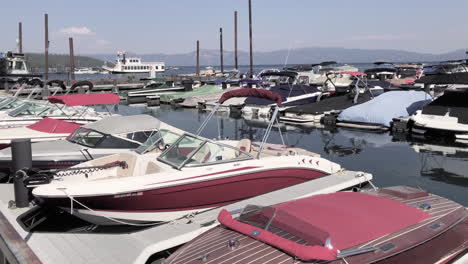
[(133, 65)]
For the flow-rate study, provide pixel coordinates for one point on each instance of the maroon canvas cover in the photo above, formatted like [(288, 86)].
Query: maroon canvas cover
[(304, 252), (50, 125), (85, 99), (348, 218), (247, 92)]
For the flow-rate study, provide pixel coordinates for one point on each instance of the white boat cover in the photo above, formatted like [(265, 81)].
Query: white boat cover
[(382, 109), (125, 124)]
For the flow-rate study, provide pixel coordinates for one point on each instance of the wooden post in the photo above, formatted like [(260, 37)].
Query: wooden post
[(46, 52), (236, 66), (72, 60), (20, 37), (198, 58), (250, 38), (221, 48)]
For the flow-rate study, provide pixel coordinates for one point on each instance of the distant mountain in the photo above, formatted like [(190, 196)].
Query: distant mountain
[(296, 56)]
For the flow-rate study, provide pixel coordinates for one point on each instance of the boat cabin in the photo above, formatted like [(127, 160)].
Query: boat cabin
[(13, 63)]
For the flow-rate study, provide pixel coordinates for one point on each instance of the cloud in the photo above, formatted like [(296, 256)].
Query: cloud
[(83, 31), (379, 37)]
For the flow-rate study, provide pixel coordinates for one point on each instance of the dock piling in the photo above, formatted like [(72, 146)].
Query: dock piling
[(235, 41), (22, 159), (20, 37), (72, 60), (221, 48), (250, 38), (198, 58)]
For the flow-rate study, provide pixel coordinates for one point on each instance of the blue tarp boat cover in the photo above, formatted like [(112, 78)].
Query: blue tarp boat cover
[(382, 109), (285, 91)]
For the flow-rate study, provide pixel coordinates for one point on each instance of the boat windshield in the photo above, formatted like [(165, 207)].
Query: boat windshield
[(12, 104), (94, 139), (86, 137), (40, 110), (283, 224), (29, 109), (161, 139), (190, 150)]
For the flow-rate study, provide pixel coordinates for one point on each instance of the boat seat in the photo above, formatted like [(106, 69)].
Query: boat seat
[(245, 145)]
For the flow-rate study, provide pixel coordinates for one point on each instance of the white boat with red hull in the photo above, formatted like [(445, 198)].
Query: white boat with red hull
[(390, 225), (193, 174)]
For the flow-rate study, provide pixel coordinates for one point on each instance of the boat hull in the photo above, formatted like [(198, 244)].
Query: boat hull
[(165, 204)]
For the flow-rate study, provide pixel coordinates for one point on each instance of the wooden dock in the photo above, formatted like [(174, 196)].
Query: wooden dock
[(19, 246)]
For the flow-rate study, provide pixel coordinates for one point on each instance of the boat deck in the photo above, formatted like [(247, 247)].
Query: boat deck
[(20, 246)]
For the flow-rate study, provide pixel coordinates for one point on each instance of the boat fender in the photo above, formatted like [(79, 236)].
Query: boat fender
[(36, 82), (59, 83), (75, 86)]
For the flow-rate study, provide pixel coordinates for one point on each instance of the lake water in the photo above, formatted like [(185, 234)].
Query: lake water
[(391, 161)]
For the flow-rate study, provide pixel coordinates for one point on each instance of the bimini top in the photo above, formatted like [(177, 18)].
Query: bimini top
[(85, 99), (51, 125), (124, 124), (319, 226), (251, 92)]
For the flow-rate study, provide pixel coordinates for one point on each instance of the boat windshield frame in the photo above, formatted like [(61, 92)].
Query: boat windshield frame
[(149, 145), (20, 109), (189, 156)]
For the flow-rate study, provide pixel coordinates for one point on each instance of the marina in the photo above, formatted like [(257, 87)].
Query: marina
[(311, 154)]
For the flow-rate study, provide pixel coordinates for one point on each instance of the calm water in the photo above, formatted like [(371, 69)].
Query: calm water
[(391, 162)]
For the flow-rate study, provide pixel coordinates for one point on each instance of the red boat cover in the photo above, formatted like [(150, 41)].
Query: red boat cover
[(301, 251), (85, 99), (246, 92), (50, 125), (349, 218), (353, 73)]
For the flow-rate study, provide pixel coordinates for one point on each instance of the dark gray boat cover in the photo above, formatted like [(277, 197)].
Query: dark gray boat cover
[(333, 103), (455, 103)]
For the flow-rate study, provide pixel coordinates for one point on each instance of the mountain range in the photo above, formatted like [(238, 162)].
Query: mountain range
[(296, 56)]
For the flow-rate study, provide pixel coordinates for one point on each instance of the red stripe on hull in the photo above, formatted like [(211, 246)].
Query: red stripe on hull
[(198, 195)]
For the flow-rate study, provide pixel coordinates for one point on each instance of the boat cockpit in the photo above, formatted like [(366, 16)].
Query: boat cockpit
[(191, 151)]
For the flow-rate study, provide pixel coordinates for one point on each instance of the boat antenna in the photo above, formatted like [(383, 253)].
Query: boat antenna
[(287, 55)]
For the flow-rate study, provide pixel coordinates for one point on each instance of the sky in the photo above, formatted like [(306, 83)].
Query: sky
[(173, 26)]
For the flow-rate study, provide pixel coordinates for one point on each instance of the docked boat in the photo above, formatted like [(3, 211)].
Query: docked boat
[(85, 70), (388, 225), (203, 90), (73, 108), (447, 115), (291, 95), (193, 174), (108, 136), (42, 122), (383, 70), (378, 114), (125, 64), (314, 112)]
